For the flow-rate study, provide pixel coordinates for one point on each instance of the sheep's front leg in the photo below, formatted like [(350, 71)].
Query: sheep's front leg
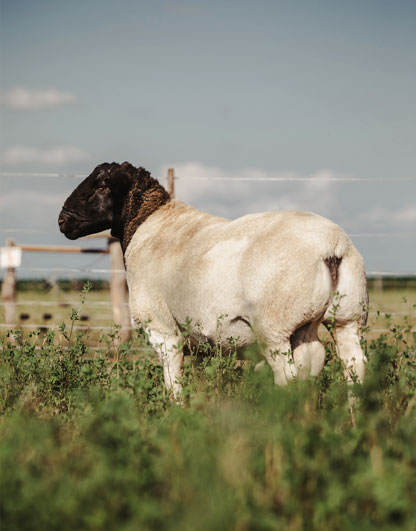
[(170, 354)]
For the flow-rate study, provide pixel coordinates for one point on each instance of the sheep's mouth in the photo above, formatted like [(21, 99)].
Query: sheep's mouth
[(74, 228), (80, 230), (70, 227), (71, 232), (72, 235), (72, 224), (68, 214)]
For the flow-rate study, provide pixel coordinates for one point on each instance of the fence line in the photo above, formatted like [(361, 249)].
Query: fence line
[(351, 234), (55, 326), (65, 303), (66, 175), (171, 178), (113, 328), (118, 284), (69, 175), (100, 304), (310, 179), (370, 274), (53, 175), (389, 274), (118, 274), (27, 231), (71, 270), (380, 234)]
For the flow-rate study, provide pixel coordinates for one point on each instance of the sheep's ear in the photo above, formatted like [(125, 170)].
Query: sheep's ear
[(119, 183)]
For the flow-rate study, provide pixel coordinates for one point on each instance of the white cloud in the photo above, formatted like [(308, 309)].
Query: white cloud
[(380, 217), (407, 215), (23, 99), (232, 194), (54, 156)]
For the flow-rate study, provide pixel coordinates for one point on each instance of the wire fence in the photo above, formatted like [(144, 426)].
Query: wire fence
[(106, 304), (370, 274), (405, 234), (287, 178), (294, 178), (112, 328), (392, 235)]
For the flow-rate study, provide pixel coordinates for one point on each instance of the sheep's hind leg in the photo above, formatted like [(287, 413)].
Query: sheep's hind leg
[(308, 351), (349, 349), (171, 356), (347, 342), (279, 357)]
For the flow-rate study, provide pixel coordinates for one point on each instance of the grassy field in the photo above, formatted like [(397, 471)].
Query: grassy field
[(88, 442), (49, 307)]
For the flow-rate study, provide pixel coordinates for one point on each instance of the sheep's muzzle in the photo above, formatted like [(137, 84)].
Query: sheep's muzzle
[(68, 225)]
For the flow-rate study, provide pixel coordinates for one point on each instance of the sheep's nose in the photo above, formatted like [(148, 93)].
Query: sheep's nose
[(61, 223)]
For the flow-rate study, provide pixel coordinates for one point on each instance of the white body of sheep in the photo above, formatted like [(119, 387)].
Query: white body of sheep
[(271, 278)]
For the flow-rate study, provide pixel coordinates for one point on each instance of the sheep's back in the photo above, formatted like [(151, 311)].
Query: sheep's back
[(202, 266)]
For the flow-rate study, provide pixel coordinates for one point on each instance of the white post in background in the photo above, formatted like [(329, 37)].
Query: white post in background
[(378, 283), (8, 287), (118, 290)]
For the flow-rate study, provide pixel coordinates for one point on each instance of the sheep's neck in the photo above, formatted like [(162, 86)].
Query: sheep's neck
[(138, 206)]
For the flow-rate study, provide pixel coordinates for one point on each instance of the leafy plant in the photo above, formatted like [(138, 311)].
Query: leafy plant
[(91, 440)]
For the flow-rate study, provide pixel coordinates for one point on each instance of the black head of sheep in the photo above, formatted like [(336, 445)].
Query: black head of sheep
[(114, 196)]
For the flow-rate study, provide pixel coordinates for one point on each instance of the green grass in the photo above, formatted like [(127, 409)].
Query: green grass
[(55, 306), (88, 443), (97, 310)]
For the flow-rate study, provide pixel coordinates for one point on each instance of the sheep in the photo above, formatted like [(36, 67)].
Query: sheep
[(270, 278)]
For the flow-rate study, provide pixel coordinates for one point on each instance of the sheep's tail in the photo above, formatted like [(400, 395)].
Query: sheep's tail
[(349, 285), (332, 263)]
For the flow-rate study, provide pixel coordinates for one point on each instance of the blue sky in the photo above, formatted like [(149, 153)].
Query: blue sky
[(317, 90)]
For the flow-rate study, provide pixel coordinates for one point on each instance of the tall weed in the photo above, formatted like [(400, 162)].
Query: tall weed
[(92, 441)]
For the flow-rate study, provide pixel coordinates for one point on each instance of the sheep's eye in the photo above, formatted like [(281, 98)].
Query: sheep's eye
[(92, 196), (98, 189)]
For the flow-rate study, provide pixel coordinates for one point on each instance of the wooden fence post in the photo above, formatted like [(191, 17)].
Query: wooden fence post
[(378, 283), (118, 290), (8, 291), (171, 182)]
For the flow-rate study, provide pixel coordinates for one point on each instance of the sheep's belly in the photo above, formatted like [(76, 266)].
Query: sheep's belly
[(232, 332)]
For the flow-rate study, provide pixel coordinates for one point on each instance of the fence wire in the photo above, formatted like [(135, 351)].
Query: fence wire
[(288, 178), (69, 175)]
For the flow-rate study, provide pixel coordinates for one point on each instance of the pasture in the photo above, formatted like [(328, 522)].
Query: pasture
[(91, 440), (46, 306)]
